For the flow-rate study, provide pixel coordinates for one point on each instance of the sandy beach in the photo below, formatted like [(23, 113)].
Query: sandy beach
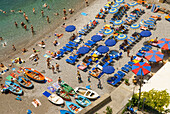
[(69, 72)]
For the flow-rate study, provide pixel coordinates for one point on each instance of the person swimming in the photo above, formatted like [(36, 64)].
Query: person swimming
[(45, 5)]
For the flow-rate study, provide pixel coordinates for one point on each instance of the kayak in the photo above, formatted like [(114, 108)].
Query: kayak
[(56, 99), (34, 75), (63, 95), (14, 88), (74, 108), (67, 88), (24, 82), (65, 112), (83, 101), (86, 93)]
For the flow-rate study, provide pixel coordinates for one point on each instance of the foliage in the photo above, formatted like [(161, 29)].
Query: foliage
[(126, 81), (108, 110), (156, 99)]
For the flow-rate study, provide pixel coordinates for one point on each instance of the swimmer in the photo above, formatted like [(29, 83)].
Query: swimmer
[(24, 14), (45, 5), (4, 44), (20, 11), (42, 12), (64, 18), (22, 24), (26, 18), (33, 10), (1, 38), (4, 12), (25, 27), (56, 14), (32, 29), (48, 7), (48, 19), (16, 24), (12, 10)]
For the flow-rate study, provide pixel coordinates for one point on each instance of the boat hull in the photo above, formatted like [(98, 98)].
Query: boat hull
[(13, 89), (20, 82)]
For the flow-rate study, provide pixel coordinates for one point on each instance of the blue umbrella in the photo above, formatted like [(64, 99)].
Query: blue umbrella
[(119, 1), (145, 33), (70, 28), (110, 42), (83, 50), (96, 38), (102, 49), (115, 5), (118, 22), (108, 31), (113, 10), (121, 37), (135, 26), (132, 4), (108, 69)]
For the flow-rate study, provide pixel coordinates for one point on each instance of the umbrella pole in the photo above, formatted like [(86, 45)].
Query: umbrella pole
[(140, 91)]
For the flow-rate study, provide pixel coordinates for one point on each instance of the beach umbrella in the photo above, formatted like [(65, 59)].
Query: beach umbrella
[(121, 37), (141, 68), (119, 1), (135, 26), (107, 6), (113, 10), (110, 42), (132, 4), (108, 69), (145, 33), (70, 28), (154, 56), (115, 5), (83, 50), (108, 31), (96, 38), (118, 22), (102, 49), (164, 43)]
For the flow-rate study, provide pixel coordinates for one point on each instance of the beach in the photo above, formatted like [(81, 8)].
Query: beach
[(69, 72)]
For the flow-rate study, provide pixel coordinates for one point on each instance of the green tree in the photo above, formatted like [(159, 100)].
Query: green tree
[(156, 99), (108, 110)]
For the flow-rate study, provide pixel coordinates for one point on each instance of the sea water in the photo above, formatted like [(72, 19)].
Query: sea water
[(13, 35)]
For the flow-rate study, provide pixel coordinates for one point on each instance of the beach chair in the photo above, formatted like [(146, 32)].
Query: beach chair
[(87, 44), (122, 74), (131, 63), (128, 66), (145, 49), (125, 69), (68, 49), (140, 54), (70, 61), (91, 42), (131, 41)]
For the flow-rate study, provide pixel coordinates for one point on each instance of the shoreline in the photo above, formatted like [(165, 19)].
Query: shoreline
[(8, 53)]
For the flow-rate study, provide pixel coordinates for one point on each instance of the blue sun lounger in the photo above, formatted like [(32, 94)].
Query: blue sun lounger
[(121, 73), (125, 69), (131, 63), (128, 66), (70, 61)]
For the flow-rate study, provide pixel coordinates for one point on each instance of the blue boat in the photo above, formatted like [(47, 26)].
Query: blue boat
[(74, 108), (25, 82), (83, 101), (65, 112), (14, 88)]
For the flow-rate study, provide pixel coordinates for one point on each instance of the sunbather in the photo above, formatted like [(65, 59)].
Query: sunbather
[(1, 65), (36, 102)]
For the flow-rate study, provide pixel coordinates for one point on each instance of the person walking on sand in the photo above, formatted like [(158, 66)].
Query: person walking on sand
[(79, 78), (25, 27), (48, 20), (53, 68), (24, 14), (128, 52), (42, 13), (99, 84), (57, 67), (32, 29), (26, 18), (87, 3), (64, 11), (89, 78), (33, 10), (13, 47), (48, 65), (16, 24), (59, 80)]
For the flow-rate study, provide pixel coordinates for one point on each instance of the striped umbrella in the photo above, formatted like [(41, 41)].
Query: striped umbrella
[(118, 22), (107, 6), (132, 4), (135, 26), (164, 43), (154, 56), (121, 37), (115, 5), (119, 1), (108, 31), (113, 10), (141, 68)]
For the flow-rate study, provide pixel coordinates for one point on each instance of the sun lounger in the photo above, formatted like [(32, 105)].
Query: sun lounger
[(68, 49), (131, 63), (121, 73), (91, 42), (128, 66), (125, 69), (70, 61)]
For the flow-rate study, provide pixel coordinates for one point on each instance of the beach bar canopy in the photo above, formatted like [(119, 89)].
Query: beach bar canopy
[(70, 28), (102, 49), (154, 56), (108, 69), (83, 50), (164, 43), (110, 42), (96, 38)]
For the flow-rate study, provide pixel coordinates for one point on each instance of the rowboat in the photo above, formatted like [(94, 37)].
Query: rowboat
[(74, 108), (34, 75), (14, 88), (86, 93), (83, 101), (67, 88), (24, 82), (56, 99), (65, 112), (63, 95)]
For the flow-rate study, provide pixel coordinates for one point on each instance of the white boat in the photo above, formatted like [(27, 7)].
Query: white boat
[(86, 93), (56, 99)]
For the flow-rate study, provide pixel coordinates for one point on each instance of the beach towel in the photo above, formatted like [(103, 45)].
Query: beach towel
[(85, 14), (36, 104), (13, 75), (57, 86), (59, 36), (51, 89), (3, 70), (47, 94), (47, 56), (42, 46), (9, 77), (48, 79)]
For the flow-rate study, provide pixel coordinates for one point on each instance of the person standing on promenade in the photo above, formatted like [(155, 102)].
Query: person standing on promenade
[(64, 11), (89, 78), (87, 3), (13, 47), (53, 68), (57, 67), (42, 12), (99, 84), (48, 20), (16, 24)]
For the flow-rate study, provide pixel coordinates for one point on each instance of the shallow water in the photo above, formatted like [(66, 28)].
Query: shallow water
[(13, 35)]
